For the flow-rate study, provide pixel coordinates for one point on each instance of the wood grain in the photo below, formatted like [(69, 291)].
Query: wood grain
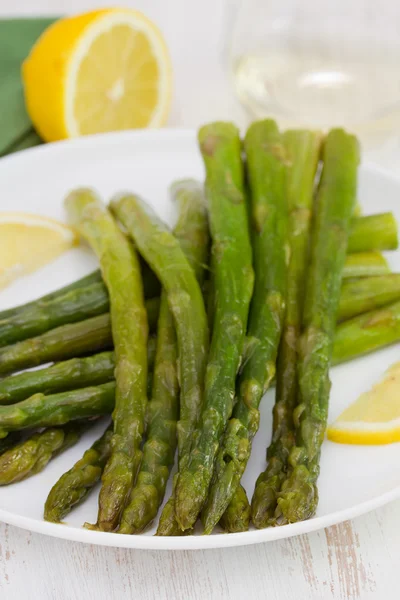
[(351, 561)]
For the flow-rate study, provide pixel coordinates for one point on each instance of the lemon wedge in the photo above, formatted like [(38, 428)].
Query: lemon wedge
[(27, 242), (375, 417), (105, 70)]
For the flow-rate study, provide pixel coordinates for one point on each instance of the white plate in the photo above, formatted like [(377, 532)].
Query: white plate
[(353, 479)]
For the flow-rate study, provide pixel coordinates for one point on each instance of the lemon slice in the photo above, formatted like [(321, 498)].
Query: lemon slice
[(375, 417), (105, 70), (27, 242)]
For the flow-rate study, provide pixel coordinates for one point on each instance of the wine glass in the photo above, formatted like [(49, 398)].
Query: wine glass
[(319, 63)]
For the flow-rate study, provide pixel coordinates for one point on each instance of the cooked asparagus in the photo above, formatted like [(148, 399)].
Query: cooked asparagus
[(373, 232), (365, 264), (32, 455), (94, 277), (68, 375), (57, 344), (336, 198), (166, 257), (237, 515), (266, 171), (303, 150), (75, 485), (74, 306), (233, 285), (366, 293), (121, 273), (158, 453), (57, 409)]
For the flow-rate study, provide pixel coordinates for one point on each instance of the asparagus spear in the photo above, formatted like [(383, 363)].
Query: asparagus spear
[(159, 449), (302, 150), (266, 171), (373, 232), (74, 306), (58, 344), (68, 375), (166, 257), (237, 515), (121, 273), (366, 293), (365, 264), (298, 497), (75, 485), (11, 440), (32, 455), (191, 231), (366, 333), (233, 284), (57, 409), (94, 277)]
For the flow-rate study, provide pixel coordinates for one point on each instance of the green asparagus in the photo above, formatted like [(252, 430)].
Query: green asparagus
[(366, 293), (72, 307), (121, 273), (94, 277), (373, 232), (237, 515), (158, 453), (57, 409), (166, 257), (336, 198), (32, 455), (365, 264), (159, 449), (57, 344), (233, 286), (266, 171), (68, 375), (302, 149), (366, 333), (75, 485)]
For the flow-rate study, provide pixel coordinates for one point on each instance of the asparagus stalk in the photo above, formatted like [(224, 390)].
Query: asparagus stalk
[(365, 264), (68, 375), (236, 517), (366, 333), (121, 273), (366, 293), (86, 281), (233, 285), (166, 257), (303, 149), (336, 198), (32, 455), (266, 170), (74, 306), (57, 409), (75, 485), (373, 232), (159, 449), (57, 344), (191, 231)]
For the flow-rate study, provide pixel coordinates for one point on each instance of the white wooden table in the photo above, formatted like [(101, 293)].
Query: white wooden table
[(354, 560)]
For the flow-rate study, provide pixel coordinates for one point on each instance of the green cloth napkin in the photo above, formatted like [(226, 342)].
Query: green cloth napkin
[(17, 37)]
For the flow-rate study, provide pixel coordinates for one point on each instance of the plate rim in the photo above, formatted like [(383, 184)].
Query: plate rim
[(196, 542)]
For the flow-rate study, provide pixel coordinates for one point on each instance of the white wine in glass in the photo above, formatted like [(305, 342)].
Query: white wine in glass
[(319, 62)]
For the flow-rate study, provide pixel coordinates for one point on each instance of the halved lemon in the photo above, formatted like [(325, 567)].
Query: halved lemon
[(375, 417), (27, 242), (105, 70)]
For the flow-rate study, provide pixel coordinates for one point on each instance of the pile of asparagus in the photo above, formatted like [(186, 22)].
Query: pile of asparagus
[(268, 277)]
